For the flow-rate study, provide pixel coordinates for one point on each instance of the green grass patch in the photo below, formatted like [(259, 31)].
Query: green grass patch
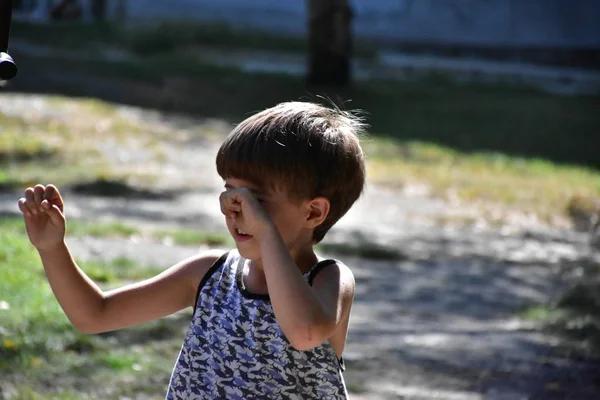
[(117, 270), (41, 355), (576, 313), (19, 142), (115, 229), (531, 184), (23, 145), (147, 39), (542, 314), (118, 361), (61, 147), (187, 237), (31, 314), (77, 228), (100, 229), (24, 392), (355, 387)]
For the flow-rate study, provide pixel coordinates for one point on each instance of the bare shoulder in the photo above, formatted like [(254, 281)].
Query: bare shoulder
[(334, 286), (335, 269), (197, 266), (336, 275), (345, 272)]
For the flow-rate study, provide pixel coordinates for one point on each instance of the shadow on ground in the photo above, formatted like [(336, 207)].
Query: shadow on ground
[(454, 322)]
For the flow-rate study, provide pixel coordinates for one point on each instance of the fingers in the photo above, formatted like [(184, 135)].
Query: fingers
[(54, 213), (229, 206), (39, 200), (23, 207), (30, 201), (53, 196), (38, 196)]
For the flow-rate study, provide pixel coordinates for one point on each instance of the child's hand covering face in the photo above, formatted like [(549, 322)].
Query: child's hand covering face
[(247, 214)]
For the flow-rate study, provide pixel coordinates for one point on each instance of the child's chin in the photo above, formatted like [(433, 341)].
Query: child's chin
[(248, 253)]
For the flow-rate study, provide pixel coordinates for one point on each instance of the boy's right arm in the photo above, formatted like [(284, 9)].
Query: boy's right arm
[(92, 311), (88, 308)]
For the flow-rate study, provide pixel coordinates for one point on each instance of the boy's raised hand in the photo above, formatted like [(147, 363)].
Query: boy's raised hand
[(42, 209), (247, 213)]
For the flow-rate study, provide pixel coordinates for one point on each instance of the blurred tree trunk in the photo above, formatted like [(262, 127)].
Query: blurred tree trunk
[(99, 10), (66, 10), (329, 42)]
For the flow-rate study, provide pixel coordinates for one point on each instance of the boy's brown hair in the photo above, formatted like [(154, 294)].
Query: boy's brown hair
[(306, 149)]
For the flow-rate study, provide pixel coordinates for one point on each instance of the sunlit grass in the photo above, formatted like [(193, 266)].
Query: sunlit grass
[(40, 352), (116, 229), (192, 237), (62, 148), (30, 313), (100, 229), (19, 142), (528, 184)]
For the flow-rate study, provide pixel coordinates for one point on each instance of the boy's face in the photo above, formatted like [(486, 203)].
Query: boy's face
[(288, 216)]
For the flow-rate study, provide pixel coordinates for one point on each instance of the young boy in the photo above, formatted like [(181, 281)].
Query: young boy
[(270, 317)]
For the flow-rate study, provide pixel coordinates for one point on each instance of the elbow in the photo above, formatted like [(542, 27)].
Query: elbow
[(89, 323), (307, 337), (88, 330), (86, 327), (94, 320)]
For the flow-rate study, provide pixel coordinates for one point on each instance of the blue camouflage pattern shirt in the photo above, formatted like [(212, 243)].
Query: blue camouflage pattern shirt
[(235, 349)]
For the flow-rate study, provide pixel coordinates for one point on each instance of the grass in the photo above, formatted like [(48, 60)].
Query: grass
[(537, 313), (579, 316), (118, 270), (77, 228), (62, 145), (162, 37), (187, 237), (40, 352), (357, 388), (576, 313), (529, 184), (107, 229), (115, 229), (574, 321)]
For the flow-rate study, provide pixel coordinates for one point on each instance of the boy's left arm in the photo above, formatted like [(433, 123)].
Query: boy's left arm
[(307, 315)]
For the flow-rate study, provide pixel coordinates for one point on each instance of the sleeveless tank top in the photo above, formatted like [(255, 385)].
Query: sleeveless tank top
[(235, 349)]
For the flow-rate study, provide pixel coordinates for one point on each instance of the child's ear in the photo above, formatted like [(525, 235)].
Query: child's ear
[(318, 209)]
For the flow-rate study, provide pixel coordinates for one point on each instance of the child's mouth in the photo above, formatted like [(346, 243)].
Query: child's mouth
[(241, 235)]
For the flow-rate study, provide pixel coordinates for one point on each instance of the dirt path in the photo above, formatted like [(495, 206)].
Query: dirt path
[(439, 322)]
